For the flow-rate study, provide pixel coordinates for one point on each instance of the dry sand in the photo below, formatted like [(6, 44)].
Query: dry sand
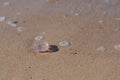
[(87, 24)]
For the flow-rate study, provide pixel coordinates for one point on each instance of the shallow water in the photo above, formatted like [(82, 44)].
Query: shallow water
[(63, 6)]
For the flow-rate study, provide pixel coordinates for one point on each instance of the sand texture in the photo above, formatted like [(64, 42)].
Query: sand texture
[(92, 27)]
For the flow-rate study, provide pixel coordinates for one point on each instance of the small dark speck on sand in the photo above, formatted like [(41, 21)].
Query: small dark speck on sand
[(15, 22), (74, 53), (29, 67), (30, 77)]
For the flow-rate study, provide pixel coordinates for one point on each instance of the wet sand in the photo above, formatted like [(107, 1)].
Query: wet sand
[(87, 29)]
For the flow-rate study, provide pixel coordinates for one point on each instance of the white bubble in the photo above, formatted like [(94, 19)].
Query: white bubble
[(6, 3), (100, 21), (2, 18), (39, 38), (65, 43), (101, 48), (117, 46), (76, 14), (20, 29)]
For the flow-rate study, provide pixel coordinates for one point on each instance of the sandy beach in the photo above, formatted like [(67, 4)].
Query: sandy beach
[(91, 26)]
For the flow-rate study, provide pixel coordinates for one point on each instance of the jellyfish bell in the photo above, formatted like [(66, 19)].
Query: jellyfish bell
[(43, 47)]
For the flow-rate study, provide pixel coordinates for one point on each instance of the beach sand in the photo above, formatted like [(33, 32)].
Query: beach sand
[(87, 24)]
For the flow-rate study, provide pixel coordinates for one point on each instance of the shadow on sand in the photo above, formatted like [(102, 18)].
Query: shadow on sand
[(54, 48)]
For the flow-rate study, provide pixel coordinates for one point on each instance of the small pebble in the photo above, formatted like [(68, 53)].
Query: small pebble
[(38, 38), (20, 29), (101, 48), (13, 24), (117, 46), (65, 43), (2, 18)]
